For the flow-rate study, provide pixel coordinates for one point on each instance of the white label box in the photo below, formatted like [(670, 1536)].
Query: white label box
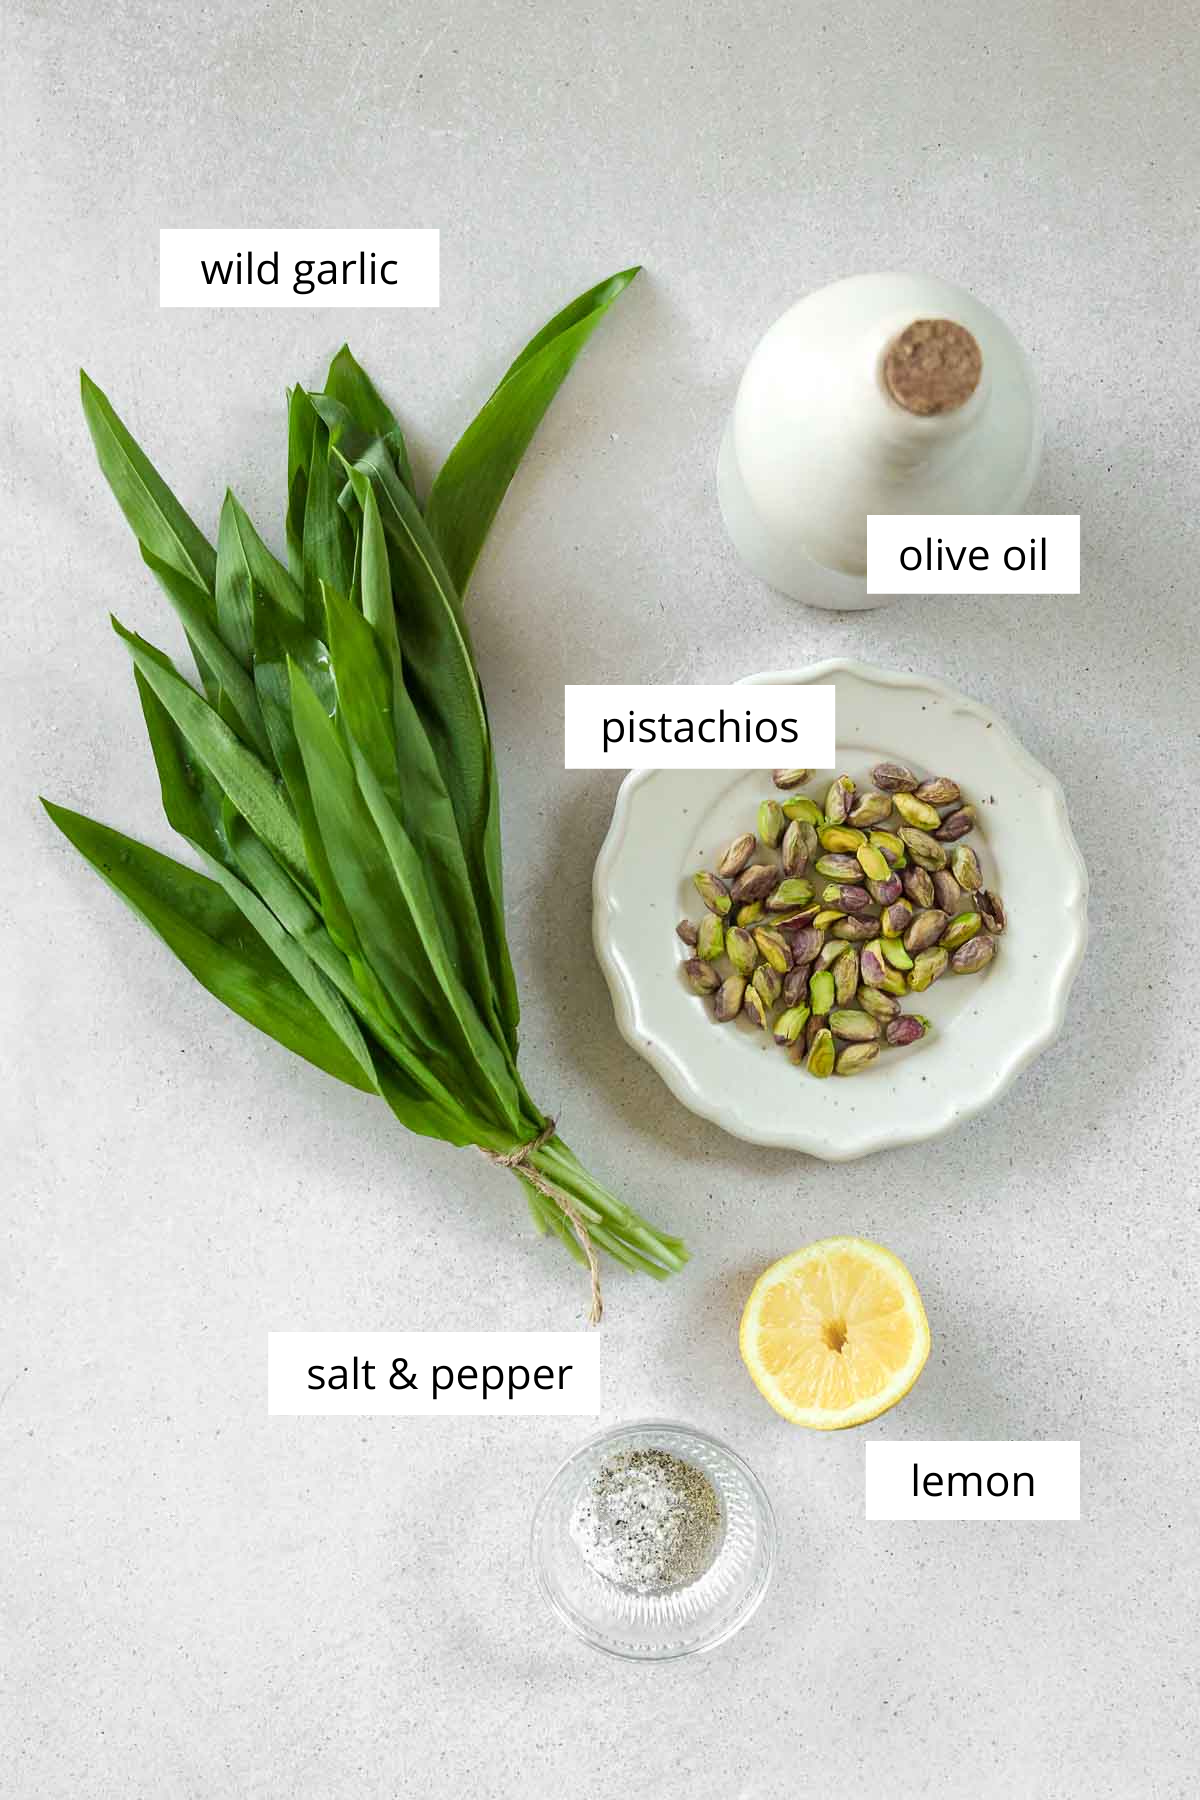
[(965, 1478), (235, 267), (973, 553), (721, 727), (433, 1372)]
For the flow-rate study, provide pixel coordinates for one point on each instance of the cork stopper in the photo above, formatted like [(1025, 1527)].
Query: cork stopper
[(932, 367)]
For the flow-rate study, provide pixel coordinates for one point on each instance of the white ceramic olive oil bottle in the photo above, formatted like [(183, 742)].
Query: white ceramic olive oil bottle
[(877, 394)]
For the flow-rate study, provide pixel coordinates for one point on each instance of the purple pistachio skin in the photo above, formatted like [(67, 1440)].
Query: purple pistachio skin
[(940, 791), (856, 931), (839, 867), (795, 985), (756, 882), (896, 918), (687, 932), (884, 892), (950, 897), (956, 825), (925, 930), (806, 944), (854, 900), (701, 977), (894, 778), (990, 908), (918, 885), (904, 1030), (974, 955)]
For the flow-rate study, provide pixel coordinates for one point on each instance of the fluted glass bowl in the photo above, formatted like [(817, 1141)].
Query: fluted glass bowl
[(682, 1620)]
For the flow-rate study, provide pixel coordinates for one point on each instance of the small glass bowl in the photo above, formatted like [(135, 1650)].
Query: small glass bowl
[(683, 1620)]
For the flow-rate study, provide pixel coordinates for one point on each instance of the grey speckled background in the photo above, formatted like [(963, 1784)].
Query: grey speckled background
[(202, 1601)]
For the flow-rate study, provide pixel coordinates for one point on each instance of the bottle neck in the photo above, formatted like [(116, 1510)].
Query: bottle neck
[(918, 390)]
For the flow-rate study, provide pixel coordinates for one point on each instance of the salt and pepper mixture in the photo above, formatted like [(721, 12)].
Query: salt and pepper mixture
[(878, 394), (647, 1521)]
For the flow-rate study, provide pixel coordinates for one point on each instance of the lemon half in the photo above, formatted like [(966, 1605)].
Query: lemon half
[(835, 1333)]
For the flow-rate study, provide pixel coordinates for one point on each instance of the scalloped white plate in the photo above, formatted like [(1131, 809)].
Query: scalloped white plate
[(667, 823)]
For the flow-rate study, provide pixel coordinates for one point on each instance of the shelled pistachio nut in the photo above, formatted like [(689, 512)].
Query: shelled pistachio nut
[(960, 929), (742, 951), (895, 953), (710, 939), (730, 996), (884, 892), (768, 982), (918, 885), (907, 1029), (735, 856), (774, 948), (895, 919), (925, 930), (831, 952), (873, 863), (838, 867), (839, 800), (687, 932), (713, 892), (990, 908), (790, 778), (964, 866), (756, 1007), (974, 955), (877, 1003), (802, 808), (795, 985), (956, 825), (841, 837), (820, 992), (855, 1058), (851, 899), (855, 930), (855, 1027), (799, 844), (891, 846), (806, 944), (770, 823), (894, 778), (947, 893), (750, 913), (870, 809), (701, 977), (792, 891), (822, 1055), (790, 1024), (924, 850), (845, 976), (939, 790), (756, 882), (928, 967), (915, 812)]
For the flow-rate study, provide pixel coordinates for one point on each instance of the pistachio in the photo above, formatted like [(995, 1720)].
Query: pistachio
[(806, 945), (974, 955), (877, 1003), (790, 1024), (701, 977), (751, 913), (928, 966), (870, 809), (790, 778), (841, 837), (822, 1055), (768, 982), (894, 778), (802, 808), (710, 939), (687, 932), (839, 800), (895, 919), (794, 891), (855, 930), (820, 992), (925, 930), (845, 976), (990, 908), (918, 885), (873, 863), (729, 999), (840, 868), (852, 899), (812, 1031), (756, 882), (799, 844), (915, 812), (855, 1058), (947, 893), (757, 1008), (895, 953), (831, 951), (770, 823), (956, 825), (964, 865), (891, 846), (964, 926), (925, 851), (855, 1027), (736, 855), (774, 948), (884, 892), (872, 964), (939, 790), (795, 921), (907, 1029), (741, 950), (795, 986), (713, 892)]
